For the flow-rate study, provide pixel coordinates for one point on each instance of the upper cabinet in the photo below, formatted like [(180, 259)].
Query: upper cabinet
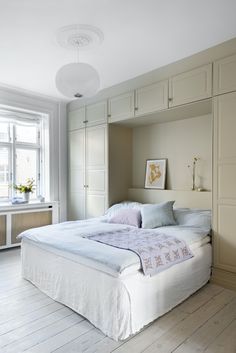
[(121, 107), (225, 75), (76, 119), (190, 86), (96, 113), (151, 98)]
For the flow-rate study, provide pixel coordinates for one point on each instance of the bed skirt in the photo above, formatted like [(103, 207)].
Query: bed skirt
[(121, 306)]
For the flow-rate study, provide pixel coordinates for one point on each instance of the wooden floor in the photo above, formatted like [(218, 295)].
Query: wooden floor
[(32, 322)]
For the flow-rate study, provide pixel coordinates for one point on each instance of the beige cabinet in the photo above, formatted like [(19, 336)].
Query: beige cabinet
[(3, 234), (151, 98), (224, 193), (96, 113), (76, 119), (87, 172), (121, 107), (190, 86), (225, 75)]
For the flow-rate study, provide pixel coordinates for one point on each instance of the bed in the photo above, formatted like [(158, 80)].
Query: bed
[(106, 284)]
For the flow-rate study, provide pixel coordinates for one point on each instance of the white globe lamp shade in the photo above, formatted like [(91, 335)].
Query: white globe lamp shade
[(77, 80)]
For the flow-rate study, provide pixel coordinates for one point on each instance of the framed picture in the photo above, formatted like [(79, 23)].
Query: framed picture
[(155, 177)]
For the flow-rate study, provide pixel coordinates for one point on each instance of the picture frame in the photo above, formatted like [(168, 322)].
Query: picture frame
[(155, 175)]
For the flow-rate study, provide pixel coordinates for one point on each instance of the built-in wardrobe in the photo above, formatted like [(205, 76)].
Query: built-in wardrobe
[(100, 141)]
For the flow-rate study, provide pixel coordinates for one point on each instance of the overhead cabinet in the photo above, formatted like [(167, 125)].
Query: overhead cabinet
[(96, 113), (225, 75), (190, 86), (88, 172), (121, 107), (151, 98), (76, 119)]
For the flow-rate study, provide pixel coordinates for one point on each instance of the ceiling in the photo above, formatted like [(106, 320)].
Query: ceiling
[(139, 36)]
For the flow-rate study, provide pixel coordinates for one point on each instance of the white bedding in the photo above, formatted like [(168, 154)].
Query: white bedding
[(67, 240)]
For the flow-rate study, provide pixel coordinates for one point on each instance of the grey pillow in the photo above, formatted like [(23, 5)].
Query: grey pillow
[(158, 215)]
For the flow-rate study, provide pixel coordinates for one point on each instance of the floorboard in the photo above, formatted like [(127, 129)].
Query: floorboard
[(31, 322)]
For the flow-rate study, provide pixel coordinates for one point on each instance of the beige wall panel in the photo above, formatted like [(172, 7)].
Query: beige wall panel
[(179, 142), (191, 86), (121, 107), (225, 75), (226, 238), (226, 113), (24, 221), (2, 230), (227, 181)]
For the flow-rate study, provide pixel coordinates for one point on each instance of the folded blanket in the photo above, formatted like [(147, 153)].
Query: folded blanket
[(157, 252)]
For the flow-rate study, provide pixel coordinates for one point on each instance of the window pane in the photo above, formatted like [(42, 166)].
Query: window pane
[(4, 172), (26, 133), (4, 132), (26, 166)]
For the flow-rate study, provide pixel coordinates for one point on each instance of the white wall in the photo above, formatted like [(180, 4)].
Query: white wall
[(178, 141), (57, 138)]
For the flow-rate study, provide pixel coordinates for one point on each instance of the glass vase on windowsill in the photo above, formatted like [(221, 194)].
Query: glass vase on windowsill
[(25, 189)]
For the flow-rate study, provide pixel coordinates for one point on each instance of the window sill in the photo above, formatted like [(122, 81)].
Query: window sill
[(7, 206)]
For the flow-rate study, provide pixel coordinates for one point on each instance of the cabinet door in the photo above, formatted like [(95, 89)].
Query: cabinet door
[(121, 107), (3, 230), (224, 195), (96, 171), (96, 113), (151, 98), (190, 86), (76, 175), (76, 119), (224, 79)]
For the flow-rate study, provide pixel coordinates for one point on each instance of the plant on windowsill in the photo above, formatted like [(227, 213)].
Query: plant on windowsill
[(26, 189)]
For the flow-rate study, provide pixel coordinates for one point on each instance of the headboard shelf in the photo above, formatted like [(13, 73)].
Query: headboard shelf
[(183, 198)]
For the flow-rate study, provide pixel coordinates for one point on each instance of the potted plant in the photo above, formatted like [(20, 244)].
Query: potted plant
[(26, 189)]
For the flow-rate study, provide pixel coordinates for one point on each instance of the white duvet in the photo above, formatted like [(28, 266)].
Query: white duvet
[(68, 240)]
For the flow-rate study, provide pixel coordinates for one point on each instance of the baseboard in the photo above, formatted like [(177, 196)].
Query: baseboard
[(224, 278)]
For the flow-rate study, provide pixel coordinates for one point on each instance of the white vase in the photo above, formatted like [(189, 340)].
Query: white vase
[(26, 196)]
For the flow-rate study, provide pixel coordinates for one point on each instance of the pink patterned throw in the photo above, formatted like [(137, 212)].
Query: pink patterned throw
[(157, 252)]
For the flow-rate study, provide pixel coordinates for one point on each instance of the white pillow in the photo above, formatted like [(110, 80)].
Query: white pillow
[(158, 215), (113, 210), (193, 217)]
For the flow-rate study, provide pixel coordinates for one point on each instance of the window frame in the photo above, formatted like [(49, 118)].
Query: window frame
[(13, 145)]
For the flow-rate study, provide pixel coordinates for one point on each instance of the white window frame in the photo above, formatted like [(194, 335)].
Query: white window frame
[(13, 145)]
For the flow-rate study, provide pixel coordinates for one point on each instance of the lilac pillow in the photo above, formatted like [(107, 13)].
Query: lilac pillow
[(129, 216)]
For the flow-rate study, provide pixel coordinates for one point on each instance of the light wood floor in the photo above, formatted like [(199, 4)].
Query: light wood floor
[(32, 322)]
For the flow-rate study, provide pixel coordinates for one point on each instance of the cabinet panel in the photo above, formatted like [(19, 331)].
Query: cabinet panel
[(96, 142), (76, 207), (96, 113), (227, 179), (96, 180), (76, 149), (121, 107), (151, 98), (3, 230), (24, 221), (226, 120), (227, 237), (76, 119), (95, 205), (225, 75), (190, 86)]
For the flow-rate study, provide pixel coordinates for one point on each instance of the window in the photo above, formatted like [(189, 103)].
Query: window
[(22, 153)]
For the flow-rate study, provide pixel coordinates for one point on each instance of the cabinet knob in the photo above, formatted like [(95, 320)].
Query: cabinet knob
[(170, 99), (85, 121), (109, 115), (136, 108)]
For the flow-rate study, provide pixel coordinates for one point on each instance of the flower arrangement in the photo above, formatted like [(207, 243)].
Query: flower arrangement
[(193, 172), (27, 188)]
